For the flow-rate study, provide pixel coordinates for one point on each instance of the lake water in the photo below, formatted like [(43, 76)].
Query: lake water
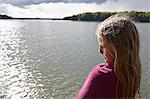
[(45, 59)]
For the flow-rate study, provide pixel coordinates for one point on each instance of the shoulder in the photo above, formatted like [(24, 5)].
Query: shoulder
[(101, 70), (99, 83), (100, 75)]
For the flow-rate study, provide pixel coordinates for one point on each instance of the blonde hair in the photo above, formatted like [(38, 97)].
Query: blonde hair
[(121, 33)]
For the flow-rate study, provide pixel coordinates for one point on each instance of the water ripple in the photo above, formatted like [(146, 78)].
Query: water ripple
[(17, 78)]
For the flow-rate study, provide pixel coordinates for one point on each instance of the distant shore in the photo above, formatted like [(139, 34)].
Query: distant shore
[(100, 16), (96, 16), (8, 17)]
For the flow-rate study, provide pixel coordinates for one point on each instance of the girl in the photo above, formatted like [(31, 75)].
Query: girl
[(119, 77)]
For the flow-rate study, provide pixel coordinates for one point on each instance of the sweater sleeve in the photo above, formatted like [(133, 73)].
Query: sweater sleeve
[(97, 84)]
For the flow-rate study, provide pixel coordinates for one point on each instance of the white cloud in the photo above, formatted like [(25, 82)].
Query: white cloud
[(52, 10), (22, 3), (122, 5), (60, 10)]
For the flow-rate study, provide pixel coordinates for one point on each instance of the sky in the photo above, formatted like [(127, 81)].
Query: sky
[(63, 8)]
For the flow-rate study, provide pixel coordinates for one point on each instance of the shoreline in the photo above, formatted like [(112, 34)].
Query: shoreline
[(136, 16)]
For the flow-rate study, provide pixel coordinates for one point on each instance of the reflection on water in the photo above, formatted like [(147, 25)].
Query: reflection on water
[(17, 78), (33, 65)]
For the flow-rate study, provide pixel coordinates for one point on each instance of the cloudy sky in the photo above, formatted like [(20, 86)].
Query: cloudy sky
[(62, 8)]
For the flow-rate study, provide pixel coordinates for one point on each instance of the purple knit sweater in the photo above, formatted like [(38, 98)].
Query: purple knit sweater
[(101, 83)]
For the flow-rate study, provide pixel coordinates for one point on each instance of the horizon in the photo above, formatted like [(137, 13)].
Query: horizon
[(64, 8), (65, 16)]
